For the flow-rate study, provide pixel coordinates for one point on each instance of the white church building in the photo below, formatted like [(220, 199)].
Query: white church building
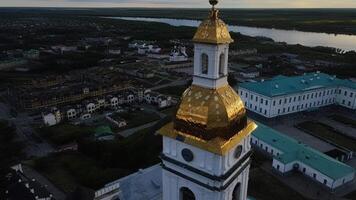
[(206, 148), (284, 95)]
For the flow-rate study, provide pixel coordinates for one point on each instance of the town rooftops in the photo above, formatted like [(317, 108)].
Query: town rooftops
[(297, 151), (283, 85)]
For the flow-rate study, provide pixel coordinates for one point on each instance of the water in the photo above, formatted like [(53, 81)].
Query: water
[(340, 41)]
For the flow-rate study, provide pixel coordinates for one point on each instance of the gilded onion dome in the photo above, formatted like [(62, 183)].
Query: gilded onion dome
[(213, 30), (209, 113)]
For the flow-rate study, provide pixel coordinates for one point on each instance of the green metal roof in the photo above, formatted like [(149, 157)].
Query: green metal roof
[(102, 131), (297, 151), (283, 85)]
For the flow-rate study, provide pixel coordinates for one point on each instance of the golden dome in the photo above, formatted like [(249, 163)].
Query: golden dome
[(213, 31), (209, 113)]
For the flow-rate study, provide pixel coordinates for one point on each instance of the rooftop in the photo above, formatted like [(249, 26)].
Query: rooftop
[(296, 151), (284, 85)]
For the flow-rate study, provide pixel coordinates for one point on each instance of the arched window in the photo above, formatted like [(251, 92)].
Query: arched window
[(186, 194), (222, 64), (204, 63), (236, 192)]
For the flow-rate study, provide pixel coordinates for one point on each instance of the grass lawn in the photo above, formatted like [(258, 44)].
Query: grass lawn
[(65, 133), (137, 118), (327, 132), (264, 186), (173, 90), (344, 120), (69, 170)]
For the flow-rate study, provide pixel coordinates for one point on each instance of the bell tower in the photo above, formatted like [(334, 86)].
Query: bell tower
[(206, 148)]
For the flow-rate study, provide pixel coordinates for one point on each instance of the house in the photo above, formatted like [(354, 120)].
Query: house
[(19, 186), (85, 116), (178, 54), (250, 72), (156, 98), (52, 118), (114, 102), (71, 113), (90, 108), (291, 155)]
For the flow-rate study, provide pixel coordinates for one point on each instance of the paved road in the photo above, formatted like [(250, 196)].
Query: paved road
[(35, 145), (129, 132), (345, 129), (305, 138)]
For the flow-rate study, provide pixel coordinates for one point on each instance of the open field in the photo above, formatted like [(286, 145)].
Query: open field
[(328, 133), (65, 133)]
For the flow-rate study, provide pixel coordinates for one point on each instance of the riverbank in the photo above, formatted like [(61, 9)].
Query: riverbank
[(335, 21)]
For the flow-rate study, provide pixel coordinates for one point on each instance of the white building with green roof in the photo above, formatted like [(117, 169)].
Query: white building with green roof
[(289, 154), (285, 95)]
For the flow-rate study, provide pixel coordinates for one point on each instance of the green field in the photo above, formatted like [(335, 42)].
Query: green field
[(65, 133)]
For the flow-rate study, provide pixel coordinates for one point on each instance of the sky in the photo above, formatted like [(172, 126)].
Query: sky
[(182, 3)]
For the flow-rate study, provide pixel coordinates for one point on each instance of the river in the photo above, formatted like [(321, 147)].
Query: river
[(311, 39)]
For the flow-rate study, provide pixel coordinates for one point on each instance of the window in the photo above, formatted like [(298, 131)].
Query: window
[(280, 101), (325, 181), (278, 167), (274, 103), (237, 192), (204, 63), (256, 99), (351, 94), (304, 169), (261, 100), (241, 93), (266, 103), (295, 98), (345, 93), (279, 111), (265, 112), (314, 175), (222, 65), (251, 96), (186, 194)]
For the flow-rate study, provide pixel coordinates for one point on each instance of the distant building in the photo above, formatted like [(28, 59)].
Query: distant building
[(250, 72), (158, 99), (52, 118), (290, 155), (178, 54), (285, 95), (145, 184), (19, 186)]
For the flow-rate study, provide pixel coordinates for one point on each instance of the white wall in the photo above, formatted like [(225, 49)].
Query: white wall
[(208, 162), (292, 103)]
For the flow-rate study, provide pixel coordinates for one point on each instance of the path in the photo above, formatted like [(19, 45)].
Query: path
[(129, 132)]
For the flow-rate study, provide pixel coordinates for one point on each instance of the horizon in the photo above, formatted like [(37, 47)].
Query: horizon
[(253, 4)]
